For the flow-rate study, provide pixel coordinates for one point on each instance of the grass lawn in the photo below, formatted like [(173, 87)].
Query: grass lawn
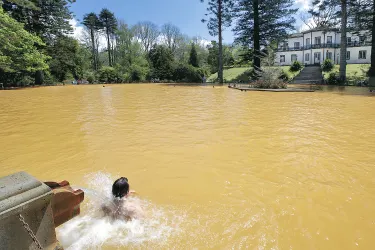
[(233, 74), (352, 71), (229, 74)]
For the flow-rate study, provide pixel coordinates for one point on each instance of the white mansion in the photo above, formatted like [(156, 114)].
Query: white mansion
[(316, 45)]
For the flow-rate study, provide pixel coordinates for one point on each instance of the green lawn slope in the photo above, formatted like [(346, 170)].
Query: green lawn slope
[(235, 74)]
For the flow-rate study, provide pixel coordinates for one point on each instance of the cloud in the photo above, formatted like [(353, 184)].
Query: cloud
[(77, 30), (304, 4)]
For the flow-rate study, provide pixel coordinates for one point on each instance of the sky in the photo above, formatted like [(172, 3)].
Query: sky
[(185, 14)]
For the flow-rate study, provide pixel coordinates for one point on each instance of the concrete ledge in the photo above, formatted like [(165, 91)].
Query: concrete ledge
[(271, 90)]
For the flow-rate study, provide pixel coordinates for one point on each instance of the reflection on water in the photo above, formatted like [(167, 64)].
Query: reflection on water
[(213, 167)]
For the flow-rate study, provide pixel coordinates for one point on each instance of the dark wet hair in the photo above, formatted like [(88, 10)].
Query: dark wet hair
[(120, 187)]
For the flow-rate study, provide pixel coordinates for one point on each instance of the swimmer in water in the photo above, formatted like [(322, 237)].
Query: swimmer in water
[(121, 206)]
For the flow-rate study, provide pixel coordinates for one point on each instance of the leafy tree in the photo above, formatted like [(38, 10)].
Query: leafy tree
[(362, 18), (108, 74), (48, 20), (162, 61), (92, 23), (322, 14), (213, 56), (68, 57), (193, 59), (18, 52), (23, 3), (260, 22), (109, 24), (171, 35), (371, 71), (220, 17), (147, 33)]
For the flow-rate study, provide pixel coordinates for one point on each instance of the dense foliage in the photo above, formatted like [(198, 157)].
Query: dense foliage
[(19, 56), (38, 47), (220, 16), (258, 23), (327, 65), (296, 66)]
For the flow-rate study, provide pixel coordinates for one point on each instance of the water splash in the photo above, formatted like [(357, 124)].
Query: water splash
[(92, 230)]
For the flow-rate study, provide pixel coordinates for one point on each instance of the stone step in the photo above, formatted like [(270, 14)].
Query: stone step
[(309, 75)]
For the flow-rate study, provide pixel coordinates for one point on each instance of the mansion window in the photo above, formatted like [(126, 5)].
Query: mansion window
[(329, 55), (282, 58), (296, 45), (307, 57), (307, 41), (294, 57), (318, 40), (362, 54), (347, 55), (329, 39), (348, 40)]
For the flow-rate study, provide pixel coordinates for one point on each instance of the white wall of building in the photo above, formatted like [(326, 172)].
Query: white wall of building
[(288, 57), (316, 54)]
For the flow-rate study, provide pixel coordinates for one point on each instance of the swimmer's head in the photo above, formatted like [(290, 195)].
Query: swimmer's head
[(120, 187)]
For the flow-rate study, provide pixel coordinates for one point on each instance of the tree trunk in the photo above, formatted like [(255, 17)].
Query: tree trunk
[(109, 49), (256, 36), (93, 50), (343, 41), (371, 72), (220, 72)]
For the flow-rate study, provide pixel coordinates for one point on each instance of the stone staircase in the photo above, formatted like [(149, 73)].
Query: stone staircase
[(309, 75)]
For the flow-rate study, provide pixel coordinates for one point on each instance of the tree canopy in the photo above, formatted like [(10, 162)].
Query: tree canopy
[(18, 51)]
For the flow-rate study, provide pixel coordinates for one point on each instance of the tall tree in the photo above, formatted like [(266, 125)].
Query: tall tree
[(322, 14), (109, 24), (48, 20), (147, 33), (171, 35), (371, 71), (28, 4), (193, 58), (344, 19), (92, 23), (220, 13), (65, 58), (18, 51), (362, 18), (162, 60), (261, 22)]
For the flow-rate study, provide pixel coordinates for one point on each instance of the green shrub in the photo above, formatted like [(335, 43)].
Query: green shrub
[(126, 77), (283, 76), (261, 84), (138, 73), (49, 79), (296, 66), (333, 79), (91, 78), (26, 81), (187, 73), (327, 65), (108, 74)]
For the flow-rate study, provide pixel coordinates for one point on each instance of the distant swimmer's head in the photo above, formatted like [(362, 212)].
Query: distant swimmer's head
[(120, 187)]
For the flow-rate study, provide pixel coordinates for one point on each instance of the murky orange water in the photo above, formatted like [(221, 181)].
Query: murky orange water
[(218, 168)]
